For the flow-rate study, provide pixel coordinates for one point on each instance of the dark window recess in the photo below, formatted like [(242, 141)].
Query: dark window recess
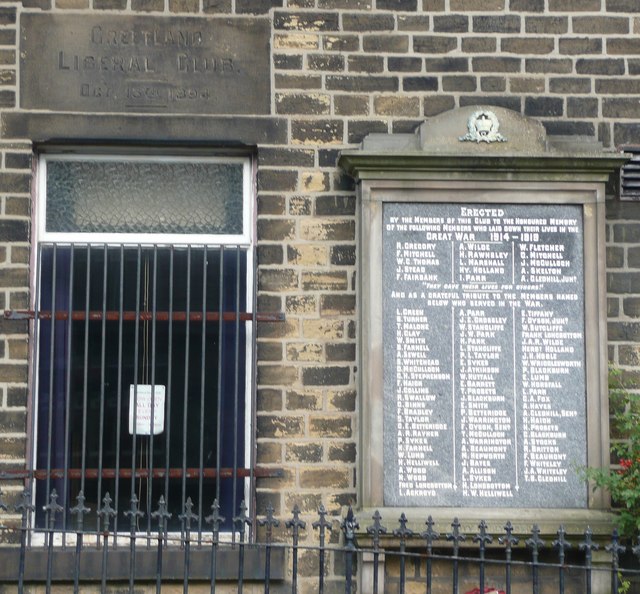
[(164, 327), (630, 175)]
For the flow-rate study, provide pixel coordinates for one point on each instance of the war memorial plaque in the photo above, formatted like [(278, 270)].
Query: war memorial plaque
[(145, 64), (484, 362)]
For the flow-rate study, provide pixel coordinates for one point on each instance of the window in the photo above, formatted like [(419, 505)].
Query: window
[(144, 347)]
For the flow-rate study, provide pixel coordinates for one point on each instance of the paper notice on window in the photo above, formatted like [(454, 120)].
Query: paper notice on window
[(141, 402)]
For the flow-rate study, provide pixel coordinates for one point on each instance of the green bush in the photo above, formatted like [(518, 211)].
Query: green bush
[(623, 482)]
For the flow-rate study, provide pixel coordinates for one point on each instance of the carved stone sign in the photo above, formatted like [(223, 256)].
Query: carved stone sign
[(484, 362), (145, 64)]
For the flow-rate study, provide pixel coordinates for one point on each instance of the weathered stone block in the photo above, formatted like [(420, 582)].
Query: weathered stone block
[(327, 230), (633, 257), (317, 132), (626, 232), (268, 452), (581, 45), (361, 84), (569, 85), (304, 254), (358, 129), (600, 66), (298, 81), (314, 181), (628, 107), (12, 421), (496, 24), (451, 23), (631, 307), (629, 355), (343, 255), (335, 205), (615, 257), (543, 106), (342, 400), (341, 351), (433, 44), (270, 426), (326, 63), (490, 64), (386, 43), (323, 329), (344, 452), (271, 205), (305, 352), (527, 45), (270, 254), (17, 206), (479, 45), (277, 280), (582, 107), (287, 62), (404, 64), (623, 46), (272, 330), (17, 396), (526, 5), (14, 230), (326, 376), (368, 64), (323, 478), (300, 206), (337, 305), (622, 6), (268, 400), (600, 25), (574, 5), (310, 400), (12, 448), (550, 25), (303, 103), (301, 304), (277, 180), (548, 65), (325, 281), (413, 84), (277, 375), (459, 83), (269, 351), (310, 453), (341, 43), (350, 105), (306, 21), (333, 426), (367, 22), (493, 84), (410, 22), (437, 104)]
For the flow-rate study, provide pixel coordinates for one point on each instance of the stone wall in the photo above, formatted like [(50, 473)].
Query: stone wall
[(340, 70)]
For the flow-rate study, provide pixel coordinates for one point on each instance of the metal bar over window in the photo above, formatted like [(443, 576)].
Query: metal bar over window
[(129, 338)]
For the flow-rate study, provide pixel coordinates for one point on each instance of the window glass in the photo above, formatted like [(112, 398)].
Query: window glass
[(127, 332)]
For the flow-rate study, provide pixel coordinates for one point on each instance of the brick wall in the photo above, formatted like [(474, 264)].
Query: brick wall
[(342, 69)]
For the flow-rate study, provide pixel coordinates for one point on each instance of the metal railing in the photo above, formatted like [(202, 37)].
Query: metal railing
[(261, 548)]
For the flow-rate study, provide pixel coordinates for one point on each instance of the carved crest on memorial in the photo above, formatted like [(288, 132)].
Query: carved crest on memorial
[(483, 126)]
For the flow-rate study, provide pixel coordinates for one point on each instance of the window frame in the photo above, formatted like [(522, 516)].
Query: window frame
[(244, 241), (247, 237)]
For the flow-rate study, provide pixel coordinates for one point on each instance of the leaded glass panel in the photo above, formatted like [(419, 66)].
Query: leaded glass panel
[(144, 196)]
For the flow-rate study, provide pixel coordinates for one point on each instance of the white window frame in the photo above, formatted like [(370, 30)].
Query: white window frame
[(247, 239)]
